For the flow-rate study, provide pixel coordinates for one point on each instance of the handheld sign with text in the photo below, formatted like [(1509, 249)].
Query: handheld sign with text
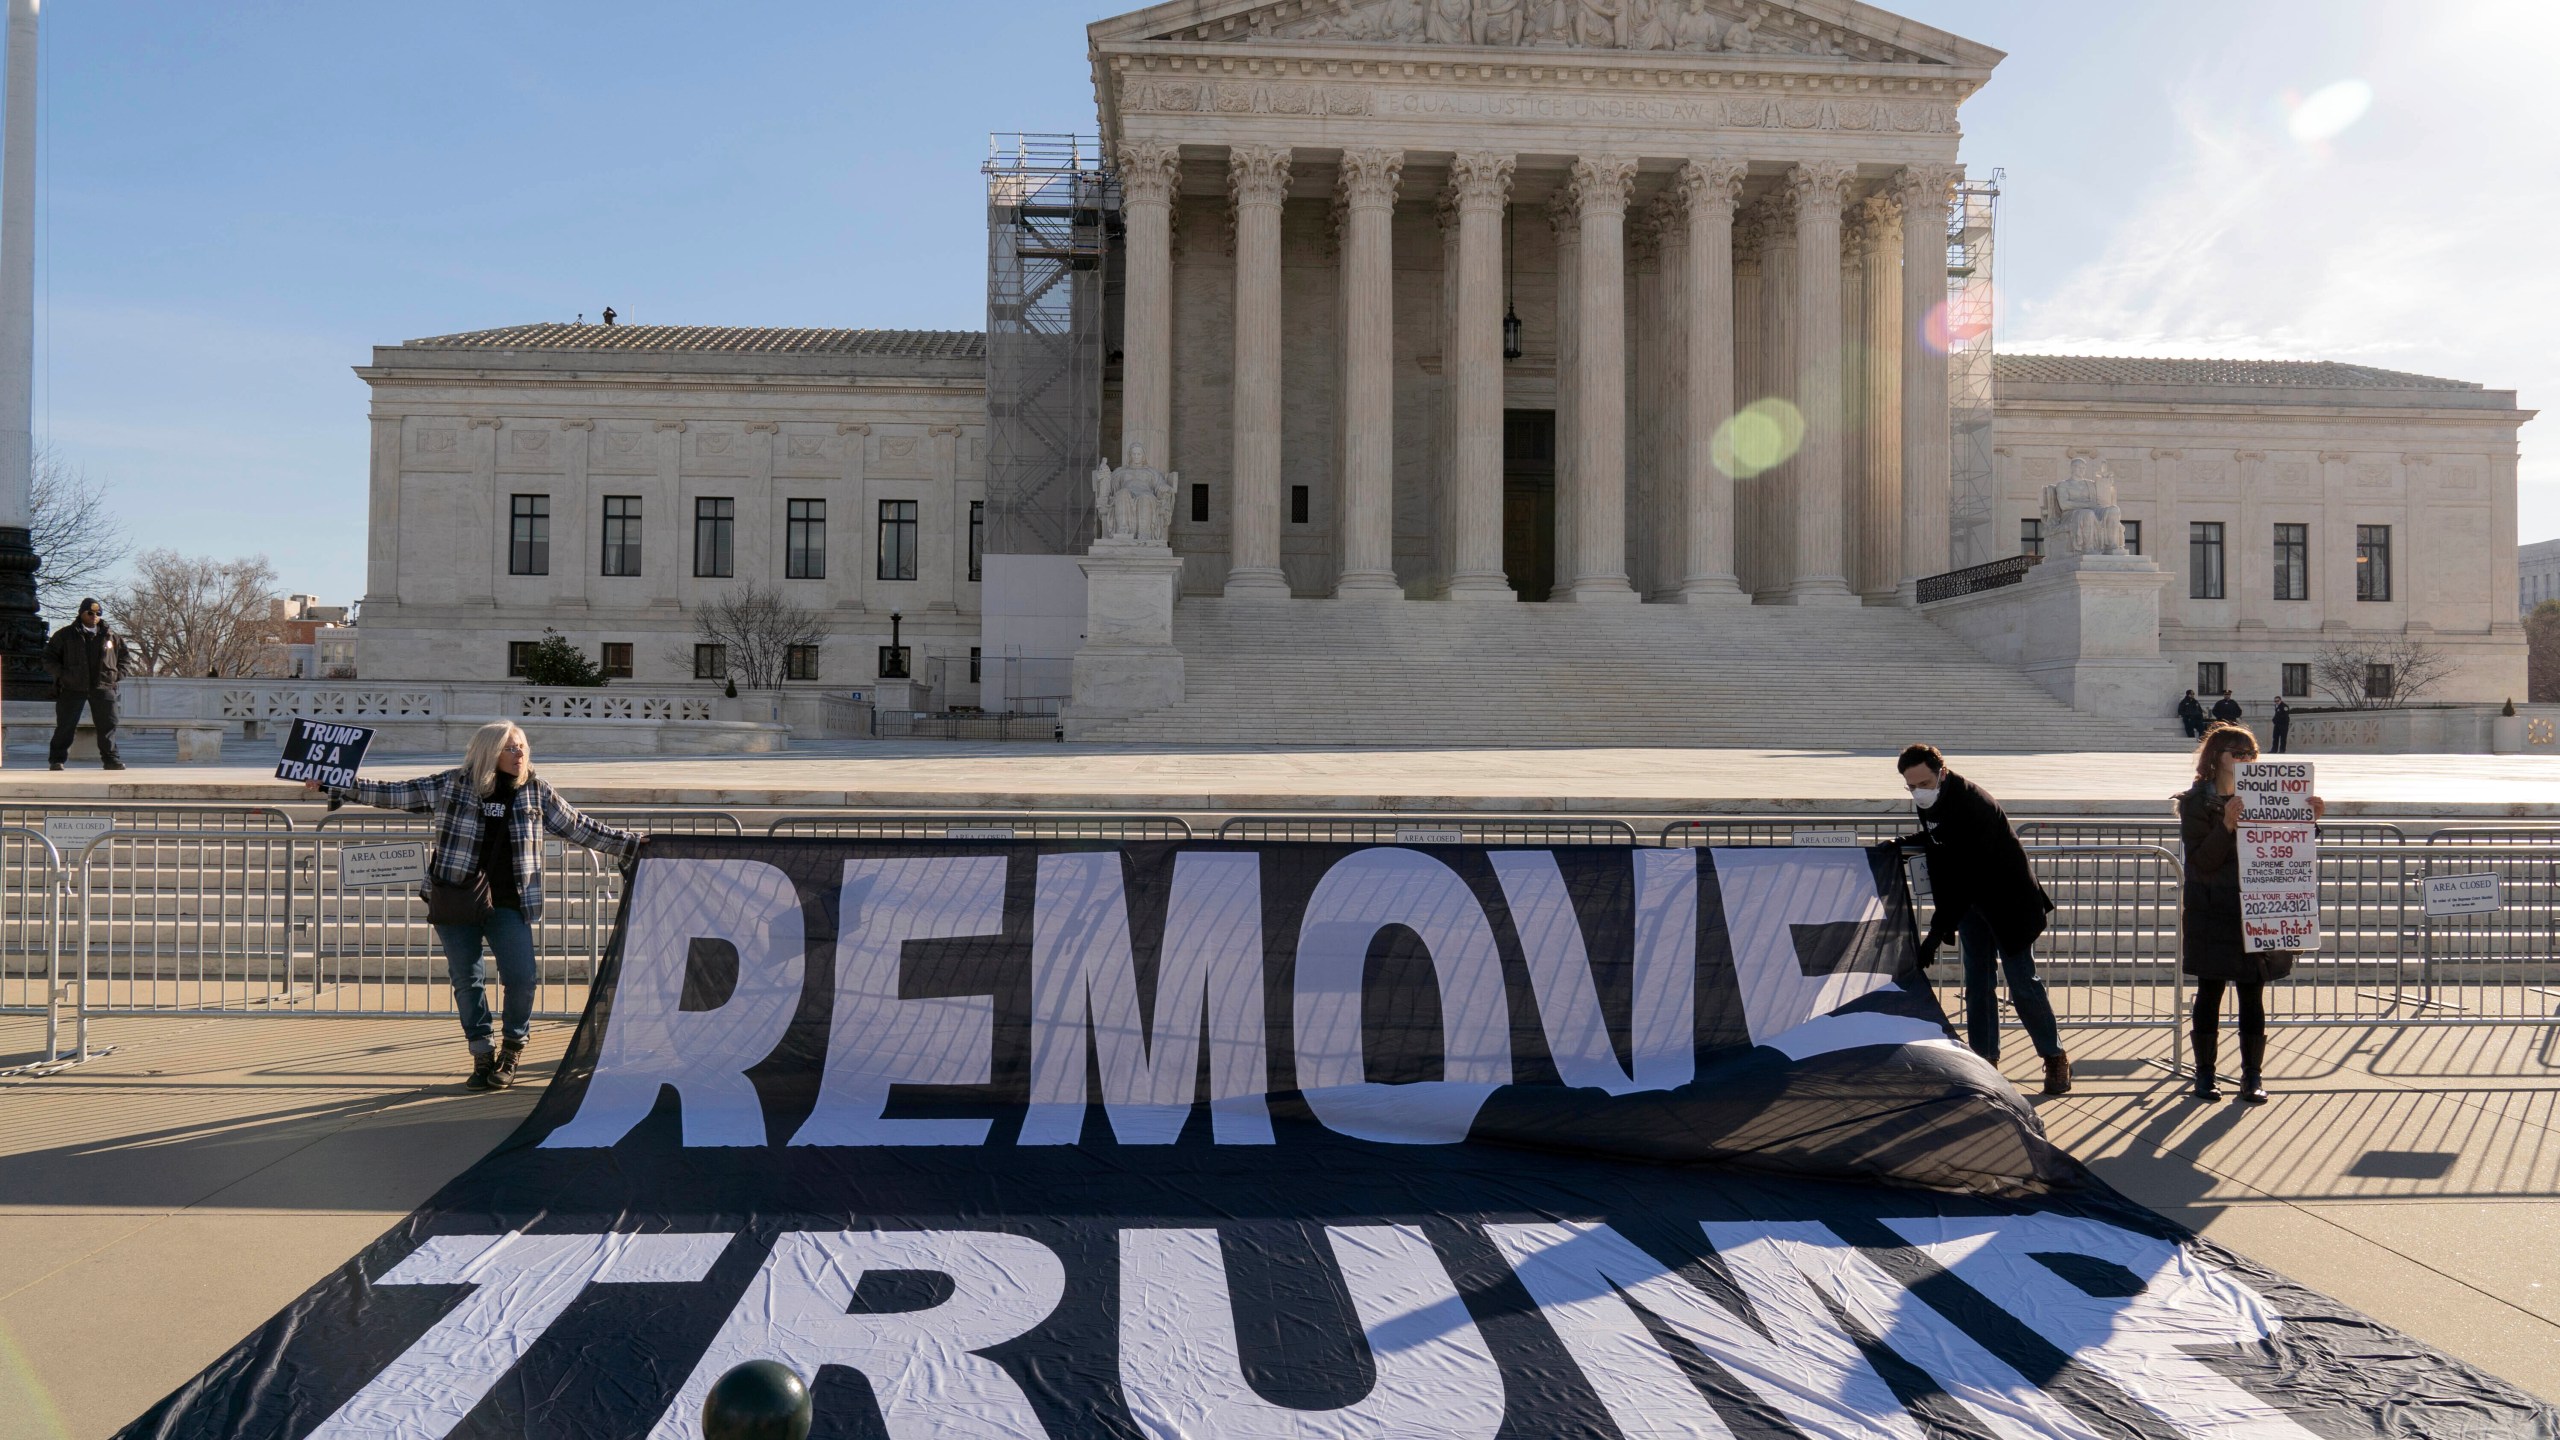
[(2279, 856), (318, 750)]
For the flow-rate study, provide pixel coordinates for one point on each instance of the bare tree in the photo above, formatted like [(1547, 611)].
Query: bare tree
[(191, 615), (2380, 673), (76, 534), (757, 630), (2542, 652)]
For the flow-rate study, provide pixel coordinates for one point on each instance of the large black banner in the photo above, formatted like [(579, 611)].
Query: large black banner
[(1238, 1142)]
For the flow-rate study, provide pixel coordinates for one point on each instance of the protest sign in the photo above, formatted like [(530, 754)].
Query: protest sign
[(317, 750), (2279, 856)]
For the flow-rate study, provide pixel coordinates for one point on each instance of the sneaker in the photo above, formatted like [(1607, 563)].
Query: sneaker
[(503, 1075), (2057, 1074), (110, 764), (484, 1071)]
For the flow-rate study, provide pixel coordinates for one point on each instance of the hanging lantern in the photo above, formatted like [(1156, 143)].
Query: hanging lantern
[(1510, 333)]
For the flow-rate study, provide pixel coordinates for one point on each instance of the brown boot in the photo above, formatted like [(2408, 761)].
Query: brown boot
[(484, 1071), (2057, 1074), (505, 1073)]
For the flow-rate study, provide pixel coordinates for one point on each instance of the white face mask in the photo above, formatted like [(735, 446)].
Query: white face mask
[(1925, 798)]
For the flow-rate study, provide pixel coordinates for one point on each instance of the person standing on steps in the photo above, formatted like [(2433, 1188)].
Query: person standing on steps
[(2191, 715), (2227, 710), (2283, 726), (484, 877), (85, 659), (2209, 814), (1988, 903)]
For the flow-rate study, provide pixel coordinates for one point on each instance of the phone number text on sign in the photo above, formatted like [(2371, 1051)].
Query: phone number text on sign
[(2279, 886)]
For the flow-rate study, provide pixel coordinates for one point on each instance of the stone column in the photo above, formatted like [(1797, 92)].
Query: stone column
[(1149, 174), (1817, 189), (1258, 182), (1369, 180), (1880, 403), (22, 633), (1482, 182), (570, 529), (1601, 184), (1928, 449), (1747, 387), (1706, 192), (382, 553), (1566, 225), (480, 578), (1781, 378), (1647, 397), (666, 523)]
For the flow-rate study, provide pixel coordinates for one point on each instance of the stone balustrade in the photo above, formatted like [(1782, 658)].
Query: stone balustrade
[(410, 716)]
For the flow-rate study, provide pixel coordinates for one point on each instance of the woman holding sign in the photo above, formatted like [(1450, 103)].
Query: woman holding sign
[(2209, 815), (484, 877)]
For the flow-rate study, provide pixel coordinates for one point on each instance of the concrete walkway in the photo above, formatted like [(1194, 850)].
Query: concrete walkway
[(161, 1202), (1190, 780)]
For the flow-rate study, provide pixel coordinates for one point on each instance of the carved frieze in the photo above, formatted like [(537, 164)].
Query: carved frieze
[(1727, 27), (1179, 95)]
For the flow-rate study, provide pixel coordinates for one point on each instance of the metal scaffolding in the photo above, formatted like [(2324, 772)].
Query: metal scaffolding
[(1973, 491), (1051, 213)]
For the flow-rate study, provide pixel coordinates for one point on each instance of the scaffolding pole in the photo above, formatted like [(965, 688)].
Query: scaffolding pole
[(1973, 490), (1051, 212)]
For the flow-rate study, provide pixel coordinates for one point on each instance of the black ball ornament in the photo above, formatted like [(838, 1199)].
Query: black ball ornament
[(760, 1400)]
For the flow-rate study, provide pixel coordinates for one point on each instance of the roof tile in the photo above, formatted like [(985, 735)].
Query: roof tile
[(723, 339), (2142, 370)]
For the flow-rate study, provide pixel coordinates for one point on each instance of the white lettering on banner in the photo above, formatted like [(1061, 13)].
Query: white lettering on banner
[(402, 863), (2138, 1342), (1084, 985), (650, 1040), (1662, 1024), (521, 1284), (1587, 1278), (1184, 1379), (923, 1367), (877, 1038), (70, 832), (1363, 893), (1768, 892), (2463, 894), (1774, 1262)]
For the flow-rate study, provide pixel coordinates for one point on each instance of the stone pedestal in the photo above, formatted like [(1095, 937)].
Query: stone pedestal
[(1127, 664), (2085, 627)]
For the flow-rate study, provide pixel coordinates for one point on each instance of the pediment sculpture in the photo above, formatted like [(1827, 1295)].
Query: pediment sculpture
[(1692, 26), (1133, 505), (2080, 513)]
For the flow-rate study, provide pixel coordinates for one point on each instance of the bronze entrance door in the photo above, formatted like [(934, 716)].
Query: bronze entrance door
[(1529, 501)]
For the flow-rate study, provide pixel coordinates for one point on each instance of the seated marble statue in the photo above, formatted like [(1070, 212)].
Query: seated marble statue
[(1133, 505), (2080, 513)]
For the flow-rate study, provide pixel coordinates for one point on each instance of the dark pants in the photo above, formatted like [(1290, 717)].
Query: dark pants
[(1984, 964), (2281, 732), (2194, 724), (2253, 1016), (66, 722), (511, 940)]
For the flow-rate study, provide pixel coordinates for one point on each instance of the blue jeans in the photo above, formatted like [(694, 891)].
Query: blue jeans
[(511, 940), (1983, 959)]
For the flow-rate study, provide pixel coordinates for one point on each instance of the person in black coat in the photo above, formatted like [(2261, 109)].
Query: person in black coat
[(85, 659), (2283, 726), (1988, 902), (2213, 950), (2226, 709), (2191, 715)]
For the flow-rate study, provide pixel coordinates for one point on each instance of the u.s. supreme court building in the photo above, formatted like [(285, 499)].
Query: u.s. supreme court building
[(1573, 368)]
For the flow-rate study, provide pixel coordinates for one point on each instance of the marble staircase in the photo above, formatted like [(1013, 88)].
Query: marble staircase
[(1318, 672)]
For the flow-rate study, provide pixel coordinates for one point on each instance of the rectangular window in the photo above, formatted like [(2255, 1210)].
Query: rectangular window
[(977, 539), (2378, 682), (715, 527), (2293, 562), (2031, 538), (710, 662), (1199, 503), (800, 662), (518, 651), (617, 659), (897, 540), (2209, 678), (2133, 537), (973, 664), (2373, 562), (622, 535), (1297, 504), (2204, 560), (2297, 679), (529, 535), (804, 541)]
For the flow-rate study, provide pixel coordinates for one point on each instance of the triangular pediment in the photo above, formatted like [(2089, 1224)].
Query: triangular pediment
[(1840, 31)]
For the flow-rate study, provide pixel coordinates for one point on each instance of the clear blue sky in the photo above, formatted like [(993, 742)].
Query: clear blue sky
[(242, 198)]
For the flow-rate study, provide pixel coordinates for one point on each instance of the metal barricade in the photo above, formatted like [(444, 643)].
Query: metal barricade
[(2498, 966), (669, 820), (31, 884), (1789, 830), (2109, 956), (2133, 830), (1428, 830), (127, 815), (981, 825), (2520, 833)]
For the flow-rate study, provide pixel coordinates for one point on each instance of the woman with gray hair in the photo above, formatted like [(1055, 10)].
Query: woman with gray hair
[(484, 877)]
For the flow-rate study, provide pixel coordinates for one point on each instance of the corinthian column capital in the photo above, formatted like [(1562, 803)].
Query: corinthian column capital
[(1927, 186), (1149, 170), (1481, 179), (1370, 177), (1257, 174), (1820, 186), (1880, 216), (1713, 182), (1602, 183)]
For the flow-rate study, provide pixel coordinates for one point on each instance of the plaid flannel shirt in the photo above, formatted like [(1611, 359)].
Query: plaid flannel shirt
[(455, 854)]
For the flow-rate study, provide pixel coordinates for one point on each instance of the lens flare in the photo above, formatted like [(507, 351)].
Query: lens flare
[(1761, 436), (1953, 322), (2325, 113)]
